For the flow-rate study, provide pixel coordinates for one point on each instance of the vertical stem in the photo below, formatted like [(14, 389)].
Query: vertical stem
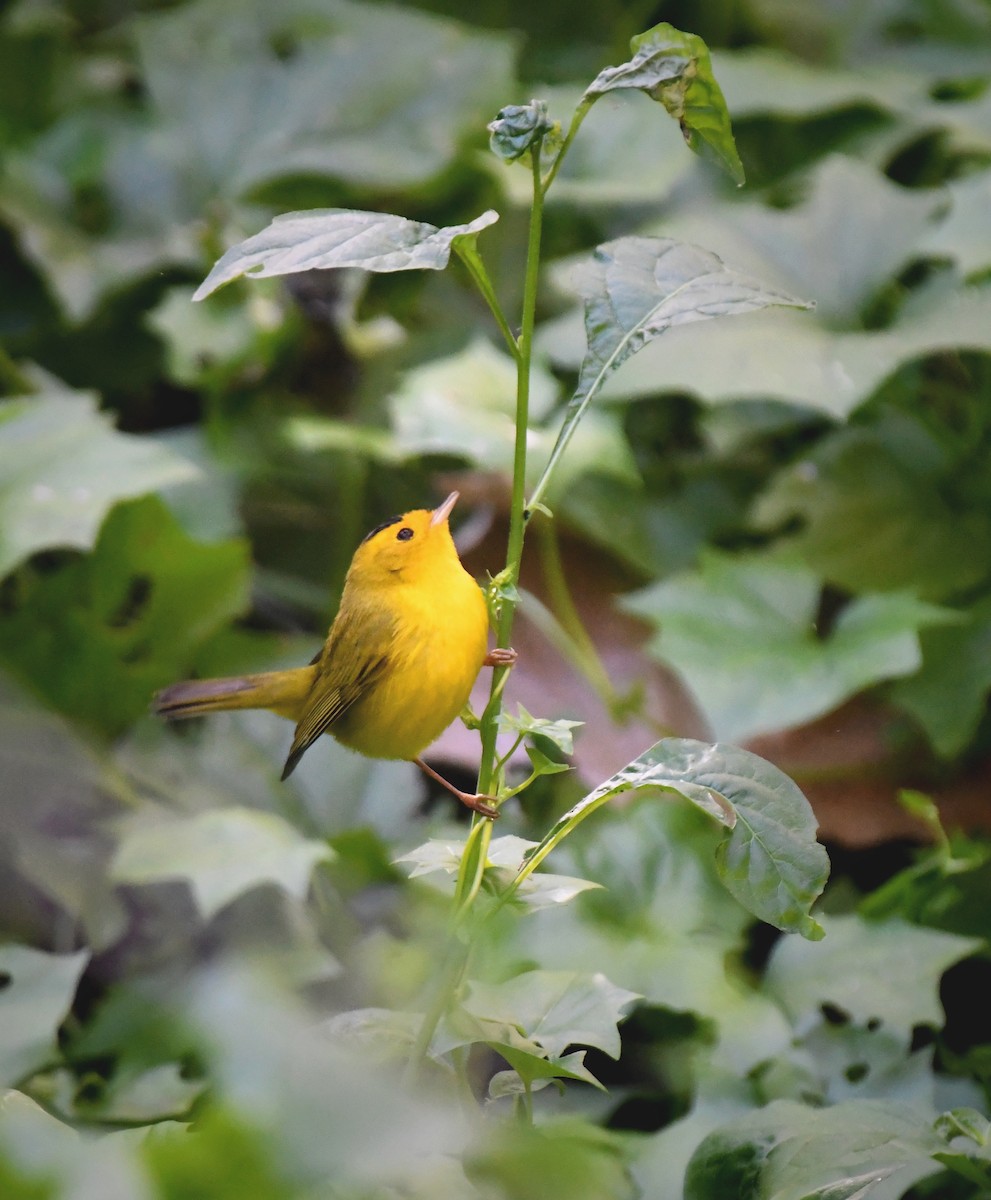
[(475, 853), (514, 549)]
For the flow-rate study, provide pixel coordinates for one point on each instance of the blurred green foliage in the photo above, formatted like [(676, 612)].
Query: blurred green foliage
[(805, 493)]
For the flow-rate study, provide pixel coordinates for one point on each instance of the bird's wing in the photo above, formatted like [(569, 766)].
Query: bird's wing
[(356, 655)]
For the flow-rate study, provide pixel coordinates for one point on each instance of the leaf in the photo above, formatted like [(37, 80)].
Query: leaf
[(674, 68), (948, 695), (742, 633), (636, 289), (63, 467), (531, 1072), (99, 634), (36, 992), (768, 857), (556, 1009), (786, 357), (340, 237), (791, 1152), (517, 128), (221, 854), (506, 854), (901, 989), (963, 234), (329, 91), (849, 234), (464, 405), (877, 513), (558, 732)]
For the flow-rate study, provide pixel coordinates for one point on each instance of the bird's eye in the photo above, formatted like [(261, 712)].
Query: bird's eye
[(404, 534)]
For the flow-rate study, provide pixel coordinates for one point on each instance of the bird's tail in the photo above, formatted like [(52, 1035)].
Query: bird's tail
[(281, 691)]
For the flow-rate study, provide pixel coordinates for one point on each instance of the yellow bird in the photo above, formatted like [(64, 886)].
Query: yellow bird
[(399, 661)]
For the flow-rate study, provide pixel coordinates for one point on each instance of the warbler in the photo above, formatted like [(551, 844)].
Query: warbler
[(399, 662)]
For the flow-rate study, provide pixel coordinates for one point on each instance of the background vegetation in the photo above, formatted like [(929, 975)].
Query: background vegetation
[(777, 529)]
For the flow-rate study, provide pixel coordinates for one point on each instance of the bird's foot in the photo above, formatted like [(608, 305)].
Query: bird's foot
[(480, 804), (500, 657)]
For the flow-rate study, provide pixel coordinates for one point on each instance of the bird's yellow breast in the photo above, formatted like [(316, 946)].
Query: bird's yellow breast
[(437, 649)]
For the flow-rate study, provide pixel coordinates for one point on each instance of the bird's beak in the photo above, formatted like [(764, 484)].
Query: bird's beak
[(443, 511)]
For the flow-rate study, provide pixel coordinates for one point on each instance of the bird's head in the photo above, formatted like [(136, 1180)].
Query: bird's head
[(416, 545)]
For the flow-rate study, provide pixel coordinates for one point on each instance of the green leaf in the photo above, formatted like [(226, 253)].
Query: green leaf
[(963, 234), (964, 1122), (331, 91), (876, 514), (63, 467), (559, 732), (570, 1157), (340, 237), (791, 1152), (221, 854), (948, 695), (636, 289), (98, 635), (674, 68), (517, 128), (901, 988), (36, 992), (768, 857), (531, 1072), (555, 1009), (742, 632)]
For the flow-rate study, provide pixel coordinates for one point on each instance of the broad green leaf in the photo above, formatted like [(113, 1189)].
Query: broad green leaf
[(742, 633), (636, 289), (555, 1009), (965, 1122), (878, 513), (674, 68), (963, 233), (98, 635), (63, 467), (768, 857), (36, 992), (948, 695), (557, 1157), (900, 989), (331, 91), (340, 237), (851, 231), (221, 854), (785, 356), (790, 1152)]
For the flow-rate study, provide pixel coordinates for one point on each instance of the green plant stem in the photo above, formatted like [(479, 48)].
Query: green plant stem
[(475, 853), (517, 521), (581, 112), (476, 268)]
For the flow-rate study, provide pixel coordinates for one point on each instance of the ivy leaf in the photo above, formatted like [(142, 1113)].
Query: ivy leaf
[(788, 1150), (674, 68), (948, 695), (63, 467), (221, 854), (325, 238), (768, 857), (637, 288), (902, 990), (36, 991), (556, 1009), (99, 634), (742, 632)]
